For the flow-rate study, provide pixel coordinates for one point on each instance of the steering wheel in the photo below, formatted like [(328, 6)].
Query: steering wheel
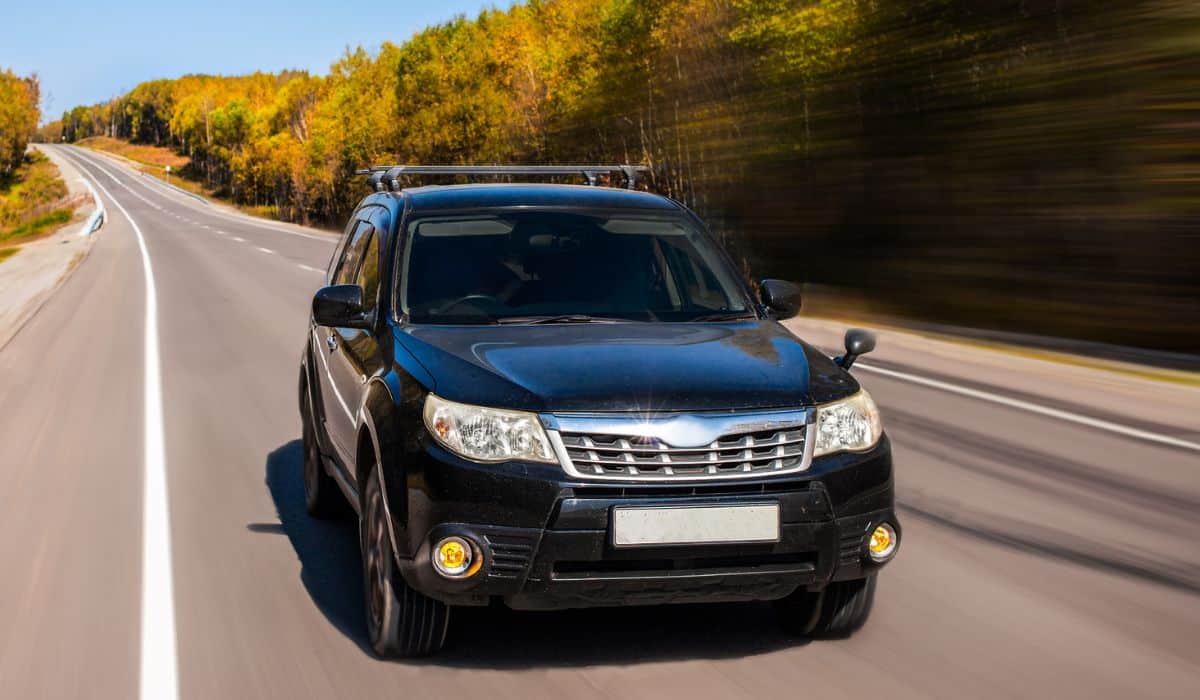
[(472, 299)]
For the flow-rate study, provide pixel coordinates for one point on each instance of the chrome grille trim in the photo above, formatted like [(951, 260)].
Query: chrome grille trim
[(683, 446)]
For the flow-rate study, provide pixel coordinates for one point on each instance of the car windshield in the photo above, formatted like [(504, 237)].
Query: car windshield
[(553, 267)]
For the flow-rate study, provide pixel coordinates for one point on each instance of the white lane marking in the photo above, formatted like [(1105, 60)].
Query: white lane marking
[(1034, 408), (159, 675), (239, 239), (268, 251), (310, 268), (221, 233)]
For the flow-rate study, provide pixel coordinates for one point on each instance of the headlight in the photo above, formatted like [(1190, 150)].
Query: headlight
[(487, 434), (849, 424)]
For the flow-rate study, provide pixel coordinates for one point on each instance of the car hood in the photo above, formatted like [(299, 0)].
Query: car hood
[(626, 366)]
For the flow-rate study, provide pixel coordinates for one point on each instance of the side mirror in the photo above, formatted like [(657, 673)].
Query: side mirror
[(858, 342), (339, 306), (783, 298)]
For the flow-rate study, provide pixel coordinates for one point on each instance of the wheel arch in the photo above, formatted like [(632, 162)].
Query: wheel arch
[(380, 444), (304, 390), (310, 388)]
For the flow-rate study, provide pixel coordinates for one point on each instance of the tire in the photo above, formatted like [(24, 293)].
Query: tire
[(322, 497), (834, 613), (401, 622)]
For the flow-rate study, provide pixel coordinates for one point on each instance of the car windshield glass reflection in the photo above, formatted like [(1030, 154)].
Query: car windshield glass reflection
[(549, 267)]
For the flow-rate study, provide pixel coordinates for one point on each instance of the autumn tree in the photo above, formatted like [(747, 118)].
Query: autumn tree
[(954, 159), (19, 115)]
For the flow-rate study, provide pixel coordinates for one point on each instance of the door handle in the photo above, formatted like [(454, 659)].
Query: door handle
[(331, 341)]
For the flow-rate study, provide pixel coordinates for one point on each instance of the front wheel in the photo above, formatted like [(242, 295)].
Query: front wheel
[(838, 611), (401, 622)]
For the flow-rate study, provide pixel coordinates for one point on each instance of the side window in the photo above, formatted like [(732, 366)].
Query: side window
[(340, 248), (347, 268), (368, 274)]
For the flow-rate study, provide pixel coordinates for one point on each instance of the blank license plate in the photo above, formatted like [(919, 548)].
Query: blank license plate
[(636, 527)]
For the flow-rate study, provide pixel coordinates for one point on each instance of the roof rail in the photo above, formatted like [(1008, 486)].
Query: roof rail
[(382, 178)]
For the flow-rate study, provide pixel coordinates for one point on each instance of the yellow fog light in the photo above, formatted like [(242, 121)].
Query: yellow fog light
[(452, 557), (883, 542)]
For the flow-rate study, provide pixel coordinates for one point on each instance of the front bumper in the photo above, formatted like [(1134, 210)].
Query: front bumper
[(546, 542)]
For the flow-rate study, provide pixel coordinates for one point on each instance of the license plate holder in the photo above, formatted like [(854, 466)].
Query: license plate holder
[(658, 526)]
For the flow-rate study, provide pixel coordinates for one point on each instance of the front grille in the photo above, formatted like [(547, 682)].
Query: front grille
[(615, 456)]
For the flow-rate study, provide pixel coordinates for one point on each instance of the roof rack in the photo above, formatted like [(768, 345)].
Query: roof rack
[(382, 178)]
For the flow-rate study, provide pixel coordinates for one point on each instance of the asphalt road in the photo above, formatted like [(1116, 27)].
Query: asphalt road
[(1044, 556)]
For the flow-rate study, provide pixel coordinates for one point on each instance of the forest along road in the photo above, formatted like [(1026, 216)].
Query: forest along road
[(1047, 552)]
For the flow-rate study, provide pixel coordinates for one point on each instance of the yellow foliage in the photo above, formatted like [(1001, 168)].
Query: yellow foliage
[(18, 118)]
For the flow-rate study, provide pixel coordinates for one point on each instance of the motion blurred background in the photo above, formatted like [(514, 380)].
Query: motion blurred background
[(1023, 165), (1017, 167)]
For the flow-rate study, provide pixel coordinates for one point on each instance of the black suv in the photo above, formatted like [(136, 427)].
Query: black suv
[(561, 396)]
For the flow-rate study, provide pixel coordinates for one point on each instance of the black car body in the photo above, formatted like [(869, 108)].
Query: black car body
[(646, 419)]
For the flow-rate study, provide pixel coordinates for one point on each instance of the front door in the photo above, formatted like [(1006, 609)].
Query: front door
[(359, 355), (341, 399)]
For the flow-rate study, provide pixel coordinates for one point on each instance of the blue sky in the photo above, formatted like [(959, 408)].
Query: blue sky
[(87, 52)]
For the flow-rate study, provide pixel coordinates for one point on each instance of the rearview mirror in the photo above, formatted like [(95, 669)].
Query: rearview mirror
[(783, 298), (339, 306), (858, 342)]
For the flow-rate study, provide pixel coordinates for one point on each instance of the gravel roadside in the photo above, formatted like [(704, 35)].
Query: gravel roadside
[(29, 278)]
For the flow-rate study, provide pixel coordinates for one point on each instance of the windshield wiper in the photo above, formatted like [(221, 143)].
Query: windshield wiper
[(452, 320), (730, 316), (559, 318)]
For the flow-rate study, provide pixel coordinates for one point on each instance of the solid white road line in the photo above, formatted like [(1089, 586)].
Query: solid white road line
[(159, 674), (1034, 408), (96, 219)]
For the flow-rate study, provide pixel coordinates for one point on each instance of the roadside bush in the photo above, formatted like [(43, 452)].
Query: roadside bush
[(33, 186)]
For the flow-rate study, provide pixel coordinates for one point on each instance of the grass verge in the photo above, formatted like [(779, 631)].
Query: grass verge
[(144, 154), (35, 184), (44, 224), (33, 203), (152, 160), (6, 253)]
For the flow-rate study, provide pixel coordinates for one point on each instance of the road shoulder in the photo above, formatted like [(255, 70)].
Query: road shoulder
[(32, 275), (1112, 393)]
